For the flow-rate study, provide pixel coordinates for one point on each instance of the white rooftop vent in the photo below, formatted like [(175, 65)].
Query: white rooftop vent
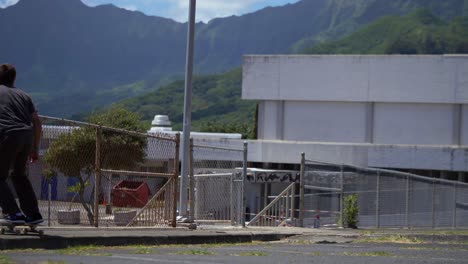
[(160, 123)]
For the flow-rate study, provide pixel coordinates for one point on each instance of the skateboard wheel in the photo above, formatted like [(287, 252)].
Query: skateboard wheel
[(24, 232), (3, 231), (41, 232), (18, 232)]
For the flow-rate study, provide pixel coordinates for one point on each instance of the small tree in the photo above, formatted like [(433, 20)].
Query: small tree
[(74, 154), (350, 211)]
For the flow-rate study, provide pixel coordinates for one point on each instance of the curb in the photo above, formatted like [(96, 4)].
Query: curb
[(58, 242)]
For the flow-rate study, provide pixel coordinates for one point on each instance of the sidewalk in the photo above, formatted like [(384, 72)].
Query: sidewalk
[(56, 238), (60, 237)]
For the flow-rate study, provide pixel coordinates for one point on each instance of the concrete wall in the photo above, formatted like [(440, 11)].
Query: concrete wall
[(464, 125), (411, 79), (271, 120), (360, 99), (430, 124), (325, 121), (353, 122)]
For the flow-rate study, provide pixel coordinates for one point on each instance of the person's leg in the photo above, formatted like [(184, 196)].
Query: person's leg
[(8, 152), (19, 177)]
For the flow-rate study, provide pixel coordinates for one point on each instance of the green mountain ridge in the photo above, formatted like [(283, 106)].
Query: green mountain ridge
[(418, 33), (217, 102), (73, 58)]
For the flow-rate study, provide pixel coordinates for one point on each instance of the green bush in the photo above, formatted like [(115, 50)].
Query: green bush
[(350, 211)]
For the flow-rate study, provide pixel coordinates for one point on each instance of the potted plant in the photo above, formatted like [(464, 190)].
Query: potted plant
[(123, 217), (70, 217)]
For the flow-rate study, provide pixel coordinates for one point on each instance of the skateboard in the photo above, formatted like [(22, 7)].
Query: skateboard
[(18, 229)]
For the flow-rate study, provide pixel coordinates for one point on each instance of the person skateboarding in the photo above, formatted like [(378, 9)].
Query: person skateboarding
[(20, 133)]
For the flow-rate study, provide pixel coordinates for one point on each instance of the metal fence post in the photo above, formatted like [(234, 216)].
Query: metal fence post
[(49, 198), (244, 177), (341, 194), (301, 191), (97, 176), (407, 201), (377, 202), (433, 203), (191, 184), (233, 212), (174, 181), (288, 204), (455, 194), (293, 202)]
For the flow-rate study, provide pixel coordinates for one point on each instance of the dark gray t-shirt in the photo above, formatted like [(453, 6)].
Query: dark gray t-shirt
[(16, 109)]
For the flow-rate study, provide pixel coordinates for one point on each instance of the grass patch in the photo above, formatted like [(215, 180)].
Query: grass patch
[(463, 232), (301, 242), (251, 254), (444, 232), (195, 252), (453, 243), (143, 251), (398, 239), (5, 260), (89, 250), (366, 232), (368, 254), (425, 248), (52, 262), (255, 243)]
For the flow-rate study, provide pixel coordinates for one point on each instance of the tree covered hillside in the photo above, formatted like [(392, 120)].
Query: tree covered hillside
[(420, 32), (216, 104)]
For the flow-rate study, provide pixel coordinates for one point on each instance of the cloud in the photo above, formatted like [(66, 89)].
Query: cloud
[(130, 7), (178, 9), (209, 9), (5, 3)]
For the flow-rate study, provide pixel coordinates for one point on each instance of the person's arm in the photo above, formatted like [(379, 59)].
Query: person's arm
[(37, 126)]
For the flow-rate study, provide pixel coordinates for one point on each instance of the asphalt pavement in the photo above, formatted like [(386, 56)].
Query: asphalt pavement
[(261, 245), (63, 237)]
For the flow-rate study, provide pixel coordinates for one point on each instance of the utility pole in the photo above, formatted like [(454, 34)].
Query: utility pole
[(187, 111)]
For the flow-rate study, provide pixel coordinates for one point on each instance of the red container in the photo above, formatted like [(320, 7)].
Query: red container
[(130, 194)]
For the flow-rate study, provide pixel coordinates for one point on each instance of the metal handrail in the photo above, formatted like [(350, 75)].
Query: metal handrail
[(273, 203), (162, 193)]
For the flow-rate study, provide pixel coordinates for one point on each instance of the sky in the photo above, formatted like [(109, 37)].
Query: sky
[(178, 9)]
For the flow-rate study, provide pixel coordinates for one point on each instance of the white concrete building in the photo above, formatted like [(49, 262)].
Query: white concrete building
[(398, 112)]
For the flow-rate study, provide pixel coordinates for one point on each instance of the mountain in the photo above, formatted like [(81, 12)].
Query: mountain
[(217, 98), (66, 51), (420, 32), (72, 57)]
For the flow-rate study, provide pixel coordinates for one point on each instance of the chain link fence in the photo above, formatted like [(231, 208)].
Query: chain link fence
[(385, 198), (321, 191), (217, 182), (100, 176)]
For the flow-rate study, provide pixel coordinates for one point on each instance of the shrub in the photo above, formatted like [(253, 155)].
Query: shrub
[(350, 211)]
